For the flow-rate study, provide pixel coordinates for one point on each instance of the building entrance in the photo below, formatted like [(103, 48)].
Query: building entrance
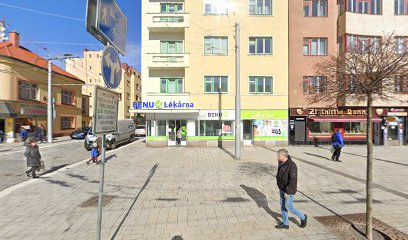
[(175, 129)]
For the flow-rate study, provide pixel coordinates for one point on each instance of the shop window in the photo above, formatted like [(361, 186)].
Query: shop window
[(171, 85), (216, 128), (67, 123), (27, 90), (401, 84), (260, 85), (161, 128), (315, 8), (260, 7), (260, 45), (365, 6), (67, 97), (315, 46), (355, 128), (216, 84), (321, 128), (314, 84), (401, 7)]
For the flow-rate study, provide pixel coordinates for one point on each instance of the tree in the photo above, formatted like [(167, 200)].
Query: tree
[(367, 70)]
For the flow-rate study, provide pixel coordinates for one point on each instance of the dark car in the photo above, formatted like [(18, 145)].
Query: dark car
[(80, 133)]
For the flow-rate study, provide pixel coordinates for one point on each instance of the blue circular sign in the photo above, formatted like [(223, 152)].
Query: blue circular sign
[(111, 67)]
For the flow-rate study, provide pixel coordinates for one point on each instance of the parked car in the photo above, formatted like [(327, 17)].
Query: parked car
[(80, 133), (125, 133), (140, 131)]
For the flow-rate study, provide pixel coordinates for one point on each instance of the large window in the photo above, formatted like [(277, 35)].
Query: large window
[(27, 90), (215, 128), (260, 45), (216, 45), (315, 46), (401, 84), (320, 127), (67, 122), (314, 84), (365, 6), (171, 8), (401, 44), (315, 8), (67, 97), (260, 7), (216, 7), (401, 7), (170, 47), (216, 84), (355, 127), (171, 85), (260, 85), (362, 43)]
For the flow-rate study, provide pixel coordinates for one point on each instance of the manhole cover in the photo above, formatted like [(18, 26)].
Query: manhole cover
[(93, 201)]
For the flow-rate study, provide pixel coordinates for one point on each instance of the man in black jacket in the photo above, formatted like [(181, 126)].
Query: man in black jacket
[(287, 184)]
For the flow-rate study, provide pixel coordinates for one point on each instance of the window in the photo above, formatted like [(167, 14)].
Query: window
[(169, 47), (401, 84), (27, 90), (67, 123), (171, 8), (315, 8), (401, 44), (171, 85), (215, 45), (128, 96), (216, 7), (362, 43), (260, 85), (137, 86), (315, 46), (216, 84), (355, 127), (314, 84), (215, 128), (260, 45), (128, 83), (401, 7), (260, 7), (67, 97), (365, 6)]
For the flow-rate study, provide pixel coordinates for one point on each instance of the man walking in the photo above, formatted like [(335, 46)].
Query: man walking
[(287, 184), (338, 144)]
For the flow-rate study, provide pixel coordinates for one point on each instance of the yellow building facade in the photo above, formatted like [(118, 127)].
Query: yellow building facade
[(24, 92), (188, 61)]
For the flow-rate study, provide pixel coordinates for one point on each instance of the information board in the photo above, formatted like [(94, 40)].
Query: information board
[(105, 115)]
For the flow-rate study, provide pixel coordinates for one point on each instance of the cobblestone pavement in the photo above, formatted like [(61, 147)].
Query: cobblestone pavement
[(202, 193)]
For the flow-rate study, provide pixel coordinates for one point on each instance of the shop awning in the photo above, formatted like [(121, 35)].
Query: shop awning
[(6, 110), (342, 119)]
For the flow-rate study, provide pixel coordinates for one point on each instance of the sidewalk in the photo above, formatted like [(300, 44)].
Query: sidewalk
[(202, 193)]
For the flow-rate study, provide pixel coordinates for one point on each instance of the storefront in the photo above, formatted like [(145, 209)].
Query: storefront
[(314, 126), (395, 132)]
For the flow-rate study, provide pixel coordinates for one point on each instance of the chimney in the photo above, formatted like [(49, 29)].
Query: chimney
[(15, 38)]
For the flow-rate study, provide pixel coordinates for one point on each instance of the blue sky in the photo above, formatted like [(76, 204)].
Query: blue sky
[(36, 27)]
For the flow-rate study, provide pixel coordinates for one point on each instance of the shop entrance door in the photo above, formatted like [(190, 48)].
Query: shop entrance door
[(247, 132), (173, 127), (393, 134)]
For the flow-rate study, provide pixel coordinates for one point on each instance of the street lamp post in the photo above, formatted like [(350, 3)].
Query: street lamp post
[(237, 94)]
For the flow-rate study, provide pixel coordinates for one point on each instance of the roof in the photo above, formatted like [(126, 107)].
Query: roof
[(23, 54)]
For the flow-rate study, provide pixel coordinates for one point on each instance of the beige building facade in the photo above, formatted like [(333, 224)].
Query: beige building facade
[(89, 70), (188, 63), (24, 92)]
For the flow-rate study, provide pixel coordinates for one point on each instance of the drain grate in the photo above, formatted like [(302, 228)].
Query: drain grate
[(93, 201)]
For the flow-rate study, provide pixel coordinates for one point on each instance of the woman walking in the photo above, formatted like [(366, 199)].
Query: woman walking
[(32, 153)]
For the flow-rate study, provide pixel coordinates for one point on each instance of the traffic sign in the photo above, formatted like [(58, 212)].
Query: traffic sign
[(105, 116), (107, 23), (111, 67)]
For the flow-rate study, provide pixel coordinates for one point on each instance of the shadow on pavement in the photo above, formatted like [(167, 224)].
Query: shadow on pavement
[(178, 237), (318, 156), (152, 172)]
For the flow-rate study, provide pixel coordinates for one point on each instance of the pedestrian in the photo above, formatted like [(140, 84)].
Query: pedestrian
[(1, 136), (23, 135), (337, 143), (287, 184), (94, 154), (40, 133), (33, 156), (179, 136)]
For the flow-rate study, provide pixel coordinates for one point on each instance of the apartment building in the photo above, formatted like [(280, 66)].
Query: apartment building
[(188, 53), (327, 27), (24, 92), (88, 68)]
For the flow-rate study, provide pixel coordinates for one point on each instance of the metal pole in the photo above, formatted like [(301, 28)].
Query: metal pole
[(49, 107), (237, 94), (101, 184)]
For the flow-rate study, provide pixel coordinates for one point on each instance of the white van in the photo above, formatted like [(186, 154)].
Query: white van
[(125, 133)]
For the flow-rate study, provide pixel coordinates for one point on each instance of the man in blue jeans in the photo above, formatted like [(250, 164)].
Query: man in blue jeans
[(287, 184)]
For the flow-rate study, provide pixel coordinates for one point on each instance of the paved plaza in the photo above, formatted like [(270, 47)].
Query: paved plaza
[(203, 193)]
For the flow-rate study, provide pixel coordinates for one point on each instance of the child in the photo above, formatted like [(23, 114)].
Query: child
[(32, 153), (94, 154)]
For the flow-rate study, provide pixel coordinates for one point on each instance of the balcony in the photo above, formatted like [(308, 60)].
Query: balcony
[(164, 60), (169, 22)]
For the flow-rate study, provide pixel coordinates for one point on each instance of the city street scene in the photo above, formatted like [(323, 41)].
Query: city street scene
[(204, 119)]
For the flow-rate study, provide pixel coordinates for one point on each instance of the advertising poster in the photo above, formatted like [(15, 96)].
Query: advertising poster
[(270, 129)]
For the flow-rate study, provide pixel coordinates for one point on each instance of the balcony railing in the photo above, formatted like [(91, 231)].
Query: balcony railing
[(162, 60), (160, 21)]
